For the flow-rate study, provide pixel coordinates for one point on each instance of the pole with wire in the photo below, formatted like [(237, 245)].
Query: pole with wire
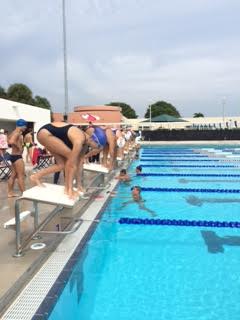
[(65, 61), (223, 111), (150, 116)]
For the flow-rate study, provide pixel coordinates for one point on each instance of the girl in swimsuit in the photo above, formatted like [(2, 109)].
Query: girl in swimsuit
[(106, 140), (65, 142)]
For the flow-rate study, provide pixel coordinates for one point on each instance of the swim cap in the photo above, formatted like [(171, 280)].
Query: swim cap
[(137, 187), (21, 123)]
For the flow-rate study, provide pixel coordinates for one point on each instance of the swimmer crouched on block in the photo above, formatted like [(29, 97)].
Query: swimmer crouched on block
[(65, 142), (106, 141)]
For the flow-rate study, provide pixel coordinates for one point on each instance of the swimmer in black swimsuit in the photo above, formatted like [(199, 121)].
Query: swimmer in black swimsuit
[(18, 168), (65, 142)]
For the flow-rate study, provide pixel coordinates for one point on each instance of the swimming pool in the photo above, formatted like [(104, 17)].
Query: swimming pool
[(154, 272)]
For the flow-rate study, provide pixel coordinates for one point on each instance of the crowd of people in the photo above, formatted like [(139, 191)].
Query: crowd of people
[(70, 146)]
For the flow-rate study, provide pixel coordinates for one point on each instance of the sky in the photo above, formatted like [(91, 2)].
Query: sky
[(185, 52)]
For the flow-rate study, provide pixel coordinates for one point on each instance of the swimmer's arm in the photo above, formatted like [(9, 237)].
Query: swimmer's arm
[(124, 204), (72, 163), (79, 173), (142, 206), (93, 152)]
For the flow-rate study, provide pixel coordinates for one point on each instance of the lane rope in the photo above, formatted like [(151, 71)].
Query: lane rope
[(180, 223), (187, 166), (188, 175), (193, 190)]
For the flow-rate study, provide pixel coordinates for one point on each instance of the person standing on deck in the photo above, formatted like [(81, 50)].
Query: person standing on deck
[(28, 143), (15, 139), (3, 143)]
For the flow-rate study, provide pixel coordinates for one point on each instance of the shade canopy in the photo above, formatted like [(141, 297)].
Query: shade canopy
[(165, 118)]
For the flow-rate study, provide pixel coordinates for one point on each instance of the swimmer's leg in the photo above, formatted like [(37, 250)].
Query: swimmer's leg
[(142, 207), (59, 166), (124, 204)]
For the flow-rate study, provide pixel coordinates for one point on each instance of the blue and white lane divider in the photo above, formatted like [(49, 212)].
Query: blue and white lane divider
[(180, 223), (192, 190), (186, 160), (189, 175), (169, 150), (167, 153), (172, 156), (186, 166)]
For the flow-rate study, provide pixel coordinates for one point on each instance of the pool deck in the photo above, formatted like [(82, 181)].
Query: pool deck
[(15, 272)]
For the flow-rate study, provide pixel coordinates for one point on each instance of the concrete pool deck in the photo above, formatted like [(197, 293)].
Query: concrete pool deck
[(37, 289), (15, 272)]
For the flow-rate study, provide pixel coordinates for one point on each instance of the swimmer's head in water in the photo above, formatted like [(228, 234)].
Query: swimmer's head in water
[(138, 169), (136, 188), (123, 172)]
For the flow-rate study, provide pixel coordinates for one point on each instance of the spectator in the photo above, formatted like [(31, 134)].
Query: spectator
[(3, 143), (15, 139), (28, 144)]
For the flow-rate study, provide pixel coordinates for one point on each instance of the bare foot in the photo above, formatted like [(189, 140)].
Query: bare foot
[(81, 189), (73, 195), (36, 180), (12, 195)]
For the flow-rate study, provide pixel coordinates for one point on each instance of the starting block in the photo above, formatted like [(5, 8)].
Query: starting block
[(50, 193), (95, 167), (11, 224)]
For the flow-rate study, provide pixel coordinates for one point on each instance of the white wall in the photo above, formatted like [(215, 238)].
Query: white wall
[(10, 111), (136, 123)]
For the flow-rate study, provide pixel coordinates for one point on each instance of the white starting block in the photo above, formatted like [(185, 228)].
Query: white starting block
[(95, 167), (11, 224), (50, 193)]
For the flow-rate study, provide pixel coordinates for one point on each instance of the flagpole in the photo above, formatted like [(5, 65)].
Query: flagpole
[(65, 61)]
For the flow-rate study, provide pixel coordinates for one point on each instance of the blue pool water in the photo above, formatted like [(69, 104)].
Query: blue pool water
[(143, 272)]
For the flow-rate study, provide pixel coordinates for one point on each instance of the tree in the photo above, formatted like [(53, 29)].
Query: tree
[(198, 115), (3, 93), (127, 110), (161, 107), (21, 93), (42, 103)]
